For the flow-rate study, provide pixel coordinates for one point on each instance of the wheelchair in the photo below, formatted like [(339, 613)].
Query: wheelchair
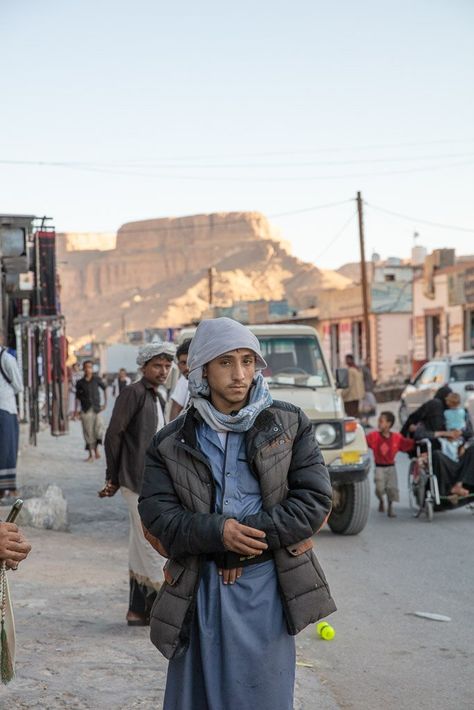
[(423, 490)]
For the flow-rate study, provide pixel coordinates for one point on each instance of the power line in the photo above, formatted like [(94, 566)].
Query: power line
[(267, 179), (183, 227), (338, 234), (332, 149), (305, 151), (308, 209), (440, 225), (132, 166), (131, 171), (192, 225), (212, 166)]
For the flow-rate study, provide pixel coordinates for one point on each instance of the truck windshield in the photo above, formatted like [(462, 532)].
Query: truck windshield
[(294, 358)]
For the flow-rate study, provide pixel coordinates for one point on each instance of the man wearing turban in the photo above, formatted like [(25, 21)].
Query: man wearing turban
[(138, 414)]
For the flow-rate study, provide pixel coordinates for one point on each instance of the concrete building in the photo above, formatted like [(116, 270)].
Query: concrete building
[(260, 311), (341, 321), (443, 307)]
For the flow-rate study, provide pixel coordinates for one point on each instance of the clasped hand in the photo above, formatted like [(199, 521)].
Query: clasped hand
[(245, 541), (13, 545)]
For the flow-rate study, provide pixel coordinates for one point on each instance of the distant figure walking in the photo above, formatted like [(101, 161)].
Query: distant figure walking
[(122, 380), (10, 385), (180, 395), (88, 394), (368, 404), (138, 414), (75, 375), (355, 392)]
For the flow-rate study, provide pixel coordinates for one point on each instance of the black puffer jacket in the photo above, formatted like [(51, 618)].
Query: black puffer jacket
[(177, 504)]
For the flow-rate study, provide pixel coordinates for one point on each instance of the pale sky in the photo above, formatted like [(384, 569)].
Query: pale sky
[(158, 109)]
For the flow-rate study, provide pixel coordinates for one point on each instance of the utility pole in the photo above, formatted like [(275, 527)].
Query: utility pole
[(363, 272), (210, 275)]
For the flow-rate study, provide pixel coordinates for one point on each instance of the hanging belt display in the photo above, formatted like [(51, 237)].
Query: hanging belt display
[(42, 349)]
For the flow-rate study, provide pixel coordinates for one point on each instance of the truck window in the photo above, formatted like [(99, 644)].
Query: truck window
[(294, 356), (462, 373)]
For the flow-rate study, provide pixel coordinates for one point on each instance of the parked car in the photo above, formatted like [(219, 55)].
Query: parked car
[(457, 371), (298, 372)]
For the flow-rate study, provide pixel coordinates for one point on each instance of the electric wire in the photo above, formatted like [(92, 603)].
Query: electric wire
[(335, 238), (439, 225), (211, 166), (192, 225), (306, 151), (131, 171)]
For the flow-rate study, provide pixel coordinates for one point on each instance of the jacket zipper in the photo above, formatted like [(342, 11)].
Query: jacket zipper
[(200, 457), (224, 467)]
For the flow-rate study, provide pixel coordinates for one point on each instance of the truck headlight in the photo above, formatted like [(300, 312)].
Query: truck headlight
[(325, 434), (350, 430)]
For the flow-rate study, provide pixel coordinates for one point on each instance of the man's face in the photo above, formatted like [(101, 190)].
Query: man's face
[(183, 364), (156, 370), (88, 369), (230, 377)]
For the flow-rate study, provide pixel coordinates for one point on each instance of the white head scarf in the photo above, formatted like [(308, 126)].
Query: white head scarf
[(151, 350)]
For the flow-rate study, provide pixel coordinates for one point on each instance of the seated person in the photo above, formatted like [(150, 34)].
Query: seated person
[(428, 422), (456, 421)]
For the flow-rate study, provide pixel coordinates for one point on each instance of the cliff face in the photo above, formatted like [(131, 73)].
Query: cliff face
[(157, 274)]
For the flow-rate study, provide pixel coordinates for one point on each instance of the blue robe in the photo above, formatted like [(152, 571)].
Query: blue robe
[(9, 435), (240, 655)]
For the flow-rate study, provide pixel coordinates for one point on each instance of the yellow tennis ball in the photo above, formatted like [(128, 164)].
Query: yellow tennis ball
[(328, 633), (325, 630)]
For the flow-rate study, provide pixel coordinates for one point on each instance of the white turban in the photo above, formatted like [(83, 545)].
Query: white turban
[(151, 350)]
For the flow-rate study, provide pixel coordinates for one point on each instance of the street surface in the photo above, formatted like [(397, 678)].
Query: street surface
[(76, 651)]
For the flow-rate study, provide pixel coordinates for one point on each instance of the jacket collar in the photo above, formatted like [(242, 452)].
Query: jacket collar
[(155, 393), (265, 428)]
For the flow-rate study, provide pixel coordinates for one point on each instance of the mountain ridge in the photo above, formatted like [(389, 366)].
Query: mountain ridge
[(157, 274)]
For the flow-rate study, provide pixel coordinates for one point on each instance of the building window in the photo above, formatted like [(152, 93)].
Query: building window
[(357, 341), (334, 342), (433, 336), (469, 330)]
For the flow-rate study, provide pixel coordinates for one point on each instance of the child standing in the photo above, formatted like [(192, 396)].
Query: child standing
[(386, 444)]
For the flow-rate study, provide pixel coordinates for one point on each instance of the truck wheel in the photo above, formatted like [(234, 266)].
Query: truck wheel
[(351, 505)]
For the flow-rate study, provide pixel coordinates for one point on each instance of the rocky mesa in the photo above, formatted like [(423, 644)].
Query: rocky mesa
[(155, 273)]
